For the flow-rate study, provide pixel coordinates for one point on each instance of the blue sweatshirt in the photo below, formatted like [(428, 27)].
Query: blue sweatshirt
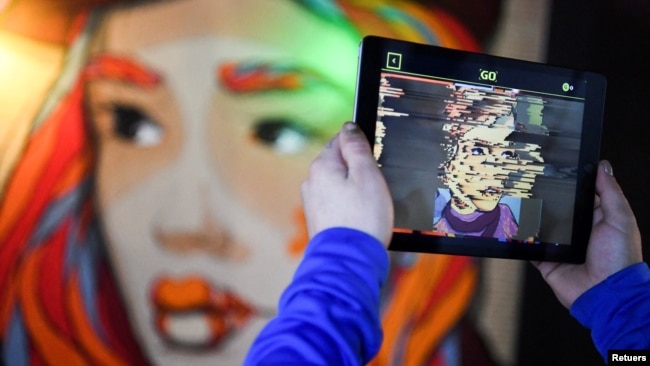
[(329, 314), (617, 310)]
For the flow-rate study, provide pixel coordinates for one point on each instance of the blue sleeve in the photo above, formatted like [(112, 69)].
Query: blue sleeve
[(617, 310), (329, 314)]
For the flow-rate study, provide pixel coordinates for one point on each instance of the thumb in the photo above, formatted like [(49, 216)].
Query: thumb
[(355, 149)]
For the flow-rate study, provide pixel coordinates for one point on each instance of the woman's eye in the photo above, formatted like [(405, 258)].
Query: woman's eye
[(133, 125), (507, 154), (478, 151), (283, 135)]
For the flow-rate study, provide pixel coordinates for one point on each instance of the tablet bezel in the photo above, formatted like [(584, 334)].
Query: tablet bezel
[(372, 58)]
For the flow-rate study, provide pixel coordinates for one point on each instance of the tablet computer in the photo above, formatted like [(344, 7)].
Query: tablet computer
[(484, 156)]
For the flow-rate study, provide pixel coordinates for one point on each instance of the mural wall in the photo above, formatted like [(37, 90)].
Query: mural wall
[(152, 153)]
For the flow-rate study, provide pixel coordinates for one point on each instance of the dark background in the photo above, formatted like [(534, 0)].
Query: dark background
[(611, 37)]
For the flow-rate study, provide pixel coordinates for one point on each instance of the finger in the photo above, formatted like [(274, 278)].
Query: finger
[(598, 212), (611, 197), (544, 268), (355, 150), (330, 160)]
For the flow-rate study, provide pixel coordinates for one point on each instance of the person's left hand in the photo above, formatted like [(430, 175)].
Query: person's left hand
[(615, 243)]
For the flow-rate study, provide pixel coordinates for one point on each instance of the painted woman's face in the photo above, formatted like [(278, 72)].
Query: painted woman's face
[(208, 114)]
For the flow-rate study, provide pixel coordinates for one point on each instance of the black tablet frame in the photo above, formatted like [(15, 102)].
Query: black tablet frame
[(420, 59)]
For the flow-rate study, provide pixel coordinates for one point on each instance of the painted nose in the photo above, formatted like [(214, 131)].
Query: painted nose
[(190, 220), (209, 237)]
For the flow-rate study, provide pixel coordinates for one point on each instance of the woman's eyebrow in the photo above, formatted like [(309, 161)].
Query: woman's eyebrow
[(255, 77), (121, 68)]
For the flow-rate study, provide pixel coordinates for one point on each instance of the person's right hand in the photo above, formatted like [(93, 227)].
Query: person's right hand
[(345, 188), (615, 243)]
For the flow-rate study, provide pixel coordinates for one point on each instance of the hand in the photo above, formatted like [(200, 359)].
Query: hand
[(346, 189), (615, 243)]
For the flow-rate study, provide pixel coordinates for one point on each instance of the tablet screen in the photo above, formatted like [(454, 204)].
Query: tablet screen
[(483, 155)]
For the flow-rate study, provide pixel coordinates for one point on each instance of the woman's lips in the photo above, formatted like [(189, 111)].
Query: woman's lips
[(190, 312)]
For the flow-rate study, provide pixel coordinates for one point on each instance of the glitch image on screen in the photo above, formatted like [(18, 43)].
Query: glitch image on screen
[(466, 159)]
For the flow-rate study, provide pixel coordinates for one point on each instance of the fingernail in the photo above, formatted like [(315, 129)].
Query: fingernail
[(350, 127), (607, 167)]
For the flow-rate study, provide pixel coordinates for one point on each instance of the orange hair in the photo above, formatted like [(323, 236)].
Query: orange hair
[(49, 302)]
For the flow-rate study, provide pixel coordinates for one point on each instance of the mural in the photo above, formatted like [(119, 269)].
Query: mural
[(150, 206)]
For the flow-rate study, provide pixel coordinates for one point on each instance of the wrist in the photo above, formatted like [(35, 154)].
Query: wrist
[(615, 310)]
